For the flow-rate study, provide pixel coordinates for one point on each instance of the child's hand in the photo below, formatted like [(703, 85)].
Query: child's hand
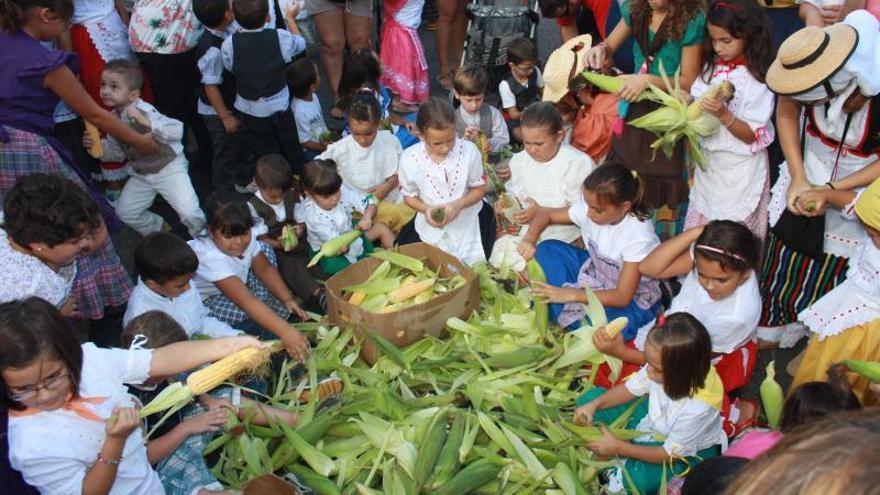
[(528, 213), (429, 218), (831, 14), (526, 249), (610, 346), (206, 422), (122, 422), (411, 128), (146, 145), (300, 229), (243, 342), (294, 308), (633, 87), (136, 114), (812, 202), (471, 133), (452, 211), (584, 414), (503, 172), (716, 107), (607, 445), (596, 56), (272, 243), (88, 142), (365, 224), (68, 309), (795, 190), (230, 123), (552, 294), (296, 344)]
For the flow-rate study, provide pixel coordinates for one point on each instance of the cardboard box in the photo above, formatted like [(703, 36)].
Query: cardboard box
[(411, 324), (269, 484)]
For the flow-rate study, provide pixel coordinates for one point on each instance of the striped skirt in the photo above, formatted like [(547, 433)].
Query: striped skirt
[(790, 281)]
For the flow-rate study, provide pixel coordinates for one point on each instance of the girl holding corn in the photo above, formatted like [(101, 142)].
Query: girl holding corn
[(72, 425), (735, 184)]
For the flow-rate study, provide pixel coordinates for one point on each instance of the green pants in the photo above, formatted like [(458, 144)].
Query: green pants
[(646, 476), (331, 265)]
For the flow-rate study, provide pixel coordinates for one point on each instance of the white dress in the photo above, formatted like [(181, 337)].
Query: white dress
[(24, 275), (324, 225), (365, 168)]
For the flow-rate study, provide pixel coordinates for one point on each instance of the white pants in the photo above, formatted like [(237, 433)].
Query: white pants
[(173, 183)]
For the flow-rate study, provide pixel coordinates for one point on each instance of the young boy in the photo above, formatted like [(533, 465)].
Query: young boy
[(164, 173), (473, 117), (273, 206), (165, 264), (303, 79), (523, 85), (258, 57), (217, 95)]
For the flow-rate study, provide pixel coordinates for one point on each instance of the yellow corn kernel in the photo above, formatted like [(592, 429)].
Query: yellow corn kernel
[(210, 377), (616, 326), (412, 290)]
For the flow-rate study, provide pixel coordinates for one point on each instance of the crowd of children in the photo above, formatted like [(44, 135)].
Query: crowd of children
[(776, 235)]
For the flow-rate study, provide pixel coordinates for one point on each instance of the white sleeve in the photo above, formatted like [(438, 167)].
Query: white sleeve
[(500, 136), (49, 470), (226, 54), (406, 175), (508, 100), (125, 365), (211, 67), (639, 384), (165, 129), (581, 166), (259, 225), (758, 108), (577, 212), (476, 176), (302, 118), (214, 267), (539, 81), (299, 214), (639, 243), (291, 44)]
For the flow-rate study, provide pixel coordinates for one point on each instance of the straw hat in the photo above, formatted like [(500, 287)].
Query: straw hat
[(809, 57), (560, 65)]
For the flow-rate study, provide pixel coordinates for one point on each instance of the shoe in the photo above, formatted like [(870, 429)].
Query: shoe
[(248, 189)]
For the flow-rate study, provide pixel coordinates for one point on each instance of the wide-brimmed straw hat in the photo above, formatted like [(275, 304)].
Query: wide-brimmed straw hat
[(811, 56), (563, 64)]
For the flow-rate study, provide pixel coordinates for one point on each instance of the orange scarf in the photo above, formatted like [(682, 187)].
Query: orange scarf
[(76, 406)]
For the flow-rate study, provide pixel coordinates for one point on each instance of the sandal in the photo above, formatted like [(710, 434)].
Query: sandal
[(744, 422)]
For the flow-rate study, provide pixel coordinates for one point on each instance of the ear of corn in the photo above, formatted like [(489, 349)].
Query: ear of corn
[(526, 456), (448, 459), (429, 450), (387, 348), (211, 376), (567, 481), (334, 246), (289, 240), (869, 370), (401, 260), (319, 462), (357, 297), (96, 150), (519, 357), (536, 274), (408, 291), (613, 328), (437, 214), (321, 485), (771, 396), (475, 475)]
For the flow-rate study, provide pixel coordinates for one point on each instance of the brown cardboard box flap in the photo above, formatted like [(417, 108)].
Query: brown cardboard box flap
[(269, 484)]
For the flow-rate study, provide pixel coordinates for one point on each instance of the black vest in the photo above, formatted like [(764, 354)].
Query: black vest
[(268, 214), (207, 41), (525, 96), (258, 64)]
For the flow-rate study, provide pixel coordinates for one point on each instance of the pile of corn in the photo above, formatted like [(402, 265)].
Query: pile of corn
[(400, 281), (487, 410)]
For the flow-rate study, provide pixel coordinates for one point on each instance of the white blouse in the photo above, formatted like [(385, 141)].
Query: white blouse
[(216, 265), (186, 309), (24, 276), (323, 225), (54, 449), (365, 168)]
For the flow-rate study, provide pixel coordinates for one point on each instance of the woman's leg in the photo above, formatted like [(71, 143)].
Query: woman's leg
[(459, 32), (357, 31), (448, 31), (332, 45)]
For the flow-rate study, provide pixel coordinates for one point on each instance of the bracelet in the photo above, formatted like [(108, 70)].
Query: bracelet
[(732, 120), (112, 462), (829, 184)]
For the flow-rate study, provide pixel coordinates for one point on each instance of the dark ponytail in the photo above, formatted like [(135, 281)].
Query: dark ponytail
[(614, 184), (13, 13)]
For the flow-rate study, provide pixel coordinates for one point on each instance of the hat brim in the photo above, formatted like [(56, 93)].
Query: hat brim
[(558, 67), (842, 43)]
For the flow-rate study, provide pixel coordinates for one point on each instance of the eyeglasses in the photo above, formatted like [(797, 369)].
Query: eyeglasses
[(50, 383)]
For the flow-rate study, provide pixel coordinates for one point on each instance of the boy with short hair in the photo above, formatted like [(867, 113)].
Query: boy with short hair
[(473, 117), (165, 264), (303, 79), (163, 173), (523, 85)]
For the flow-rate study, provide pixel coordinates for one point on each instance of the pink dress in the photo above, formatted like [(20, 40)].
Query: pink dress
[(405, 69)]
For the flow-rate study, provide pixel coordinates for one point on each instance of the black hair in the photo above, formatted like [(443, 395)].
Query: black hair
[(742, 19), (273, 172), (301, 75), (251, 14), (550, 8), (158, 327), (129, 70), (436, 113), (615, 184), (228, 214), (320, 177), (712, 476), (738, 246), (685, 354), (48, 208), (13, 13), (814, 400), (542, 114), (522, 50), (360, 69), (365, 107), (31, 329), (211, 13), (162, 256), (471, 80)]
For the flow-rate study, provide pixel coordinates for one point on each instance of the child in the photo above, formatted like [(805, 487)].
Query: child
[(303, 79), (217, 95), (547, 174), (73, 427), (257, 56), (237, 279), (327, 213), (685, 397), (164, 173), (523, 86), (165, 265), (736, 183), (176, 446), (273, 207), (403, 57), (473, 118), (617, 235), (442, 179)]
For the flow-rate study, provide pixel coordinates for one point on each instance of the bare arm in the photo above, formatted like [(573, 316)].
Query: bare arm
[(811, 15), (183, 356), (269, 275), (543, 218), (568, 31), (627, 283), (161, 447), (672, 257), (385, 188), (652, 455), (788, 113)]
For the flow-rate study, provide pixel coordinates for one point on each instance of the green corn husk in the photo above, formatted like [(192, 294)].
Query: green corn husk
[(536, 274), (473, 476), (334, 246), (321, 485), (316, 459), (404, 261), (772, 396), (869, 370)]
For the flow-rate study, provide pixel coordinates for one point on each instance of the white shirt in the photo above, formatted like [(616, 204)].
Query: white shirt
[(629, 241), (186, 309), (24, 276), (365, 168), (216, 265), (54, 449), (291, 44), (323, 225), (440, 183), (166, 131), (500, 136), (309, 119), (508, 100), (689, 424), (552, 184)]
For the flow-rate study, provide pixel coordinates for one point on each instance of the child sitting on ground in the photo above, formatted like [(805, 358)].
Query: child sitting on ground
[(303, 79), (163, 173), (273, 208), (327, 213), (473, 117), (523, 85)]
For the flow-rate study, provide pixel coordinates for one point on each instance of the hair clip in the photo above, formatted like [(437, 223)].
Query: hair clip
[(713, 249)]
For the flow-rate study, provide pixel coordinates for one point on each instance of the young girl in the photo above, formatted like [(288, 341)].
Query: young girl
[(617, 235), (327, 212), (736, 183), (403, 57), (669, 33), (73, 427), (546, 174), (237, 278), (685, 397), (445, 173)]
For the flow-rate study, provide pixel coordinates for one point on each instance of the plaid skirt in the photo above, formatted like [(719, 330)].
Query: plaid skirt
[(222, 308), (101, 280)]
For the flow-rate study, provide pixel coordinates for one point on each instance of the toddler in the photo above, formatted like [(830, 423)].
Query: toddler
[(303, 79), (523, 85), (473, 116)]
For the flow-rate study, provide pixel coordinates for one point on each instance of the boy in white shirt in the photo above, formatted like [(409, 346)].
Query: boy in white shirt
[(165, 265), (473, 118), (164, 172), (523, 85), (303, 79)]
